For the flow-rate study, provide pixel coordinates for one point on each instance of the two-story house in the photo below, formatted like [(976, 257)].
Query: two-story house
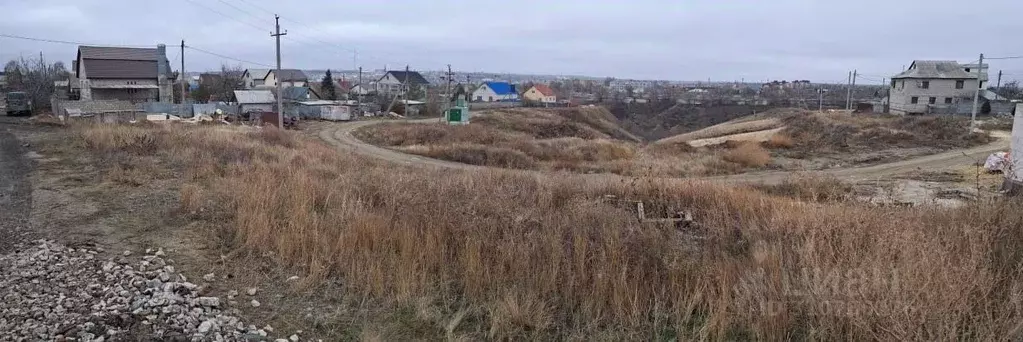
[(287, 77), (130, 74), (929, 85), (254, 77), (398, 82)]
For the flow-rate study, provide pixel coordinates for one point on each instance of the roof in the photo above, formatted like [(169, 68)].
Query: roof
[(413, 77), (318, 103), (254, 96), (257, 74), (990, 95), (544, 89), (119, 63), (935, 69), (118, 53), (501, 88), (295, 93), (119, 69), (291, 75)]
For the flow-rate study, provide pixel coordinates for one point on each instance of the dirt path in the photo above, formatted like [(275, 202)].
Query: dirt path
[(15, 187), (340, 136)]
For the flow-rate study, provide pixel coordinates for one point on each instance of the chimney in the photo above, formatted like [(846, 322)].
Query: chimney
[(164, 92), (162, 62)]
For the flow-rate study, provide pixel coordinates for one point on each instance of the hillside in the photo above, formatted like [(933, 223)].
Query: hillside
[(658, 120), (583, 139)]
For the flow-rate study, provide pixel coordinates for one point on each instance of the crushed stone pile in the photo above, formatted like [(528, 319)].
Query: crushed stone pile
[(49, 291)]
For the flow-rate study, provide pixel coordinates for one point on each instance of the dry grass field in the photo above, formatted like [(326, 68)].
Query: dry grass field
[(490, 254), (586, 140)]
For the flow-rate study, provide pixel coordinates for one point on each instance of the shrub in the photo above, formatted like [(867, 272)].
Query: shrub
[(481, 155), (779, 140), (748, 154)]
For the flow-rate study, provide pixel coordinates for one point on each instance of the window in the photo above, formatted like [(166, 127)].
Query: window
[(932, 100), (960, 84), (948, 100), (981, 85), (893, 84), (914, 100), (967, 69), (925, 84)]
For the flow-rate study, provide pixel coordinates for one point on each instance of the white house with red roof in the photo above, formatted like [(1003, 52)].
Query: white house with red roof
[(540, 93)]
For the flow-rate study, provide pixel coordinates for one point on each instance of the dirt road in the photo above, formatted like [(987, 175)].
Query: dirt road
[(340, 136), (15, 187)]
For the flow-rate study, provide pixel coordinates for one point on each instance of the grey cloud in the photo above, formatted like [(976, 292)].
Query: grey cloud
[(658, 39)]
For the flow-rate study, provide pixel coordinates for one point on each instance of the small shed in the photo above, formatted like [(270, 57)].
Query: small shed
[(412, 107), (255, 100), (323, 109)]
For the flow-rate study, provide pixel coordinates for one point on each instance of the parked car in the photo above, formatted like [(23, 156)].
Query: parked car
[(18, 103)]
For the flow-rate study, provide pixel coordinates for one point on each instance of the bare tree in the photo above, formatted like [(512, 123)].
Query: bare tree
[(34, 77), (1010, 90), (220, 87)]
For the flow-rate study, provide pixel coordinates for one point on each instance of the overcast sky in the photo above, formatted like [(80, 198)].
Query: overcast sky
[(722, 40)]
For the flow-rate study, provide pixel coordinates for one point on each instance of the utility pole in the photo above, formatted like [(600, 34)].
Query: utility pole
[(358, 101), (182, 77), (999, 86), (406, 89), (976, 95), (280, 96), (887, 101), (848, 90), (853, 86), (448, 91), (820, 99)]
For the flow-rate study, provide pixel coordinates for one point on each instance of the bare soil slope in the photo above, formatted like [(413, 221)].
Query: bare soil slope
[(661, 119)]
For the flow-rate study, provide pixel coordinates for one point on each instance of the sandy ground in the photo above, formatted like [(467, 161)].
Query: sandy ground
[(730, 128), (757, 136)]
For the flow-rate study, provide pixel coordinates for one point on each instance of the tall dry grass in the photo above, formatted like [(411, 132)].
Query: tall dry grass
[(749, 154), (525, 257)]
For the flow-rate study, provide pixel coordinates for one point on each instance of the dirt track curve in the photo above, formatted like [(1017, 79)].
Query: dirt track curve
[(340, 136)]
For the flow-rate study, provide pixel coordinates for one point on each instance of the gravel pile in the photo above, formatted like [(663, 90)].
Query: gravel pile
[(52, 292)]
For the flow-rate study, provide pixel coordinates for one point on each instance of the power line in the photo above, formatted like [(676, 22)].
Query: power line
[(295, 39), (225, 15), (1009, 57), (227, 57), (67, 41), (239, 9), (311, 28)]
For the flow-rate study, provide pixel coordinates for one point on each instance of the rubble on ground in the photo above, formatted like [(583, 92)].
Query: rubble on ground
[(49, 291)]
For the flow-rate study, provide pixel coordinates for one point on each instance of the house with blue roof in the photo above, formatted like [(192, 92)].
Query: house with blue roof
[(495, 92)]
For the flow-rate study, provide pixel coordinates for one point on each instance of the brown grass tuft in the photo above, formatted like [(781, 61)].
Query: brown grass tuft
[(748, 154), (812, 188), (779, 140)]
